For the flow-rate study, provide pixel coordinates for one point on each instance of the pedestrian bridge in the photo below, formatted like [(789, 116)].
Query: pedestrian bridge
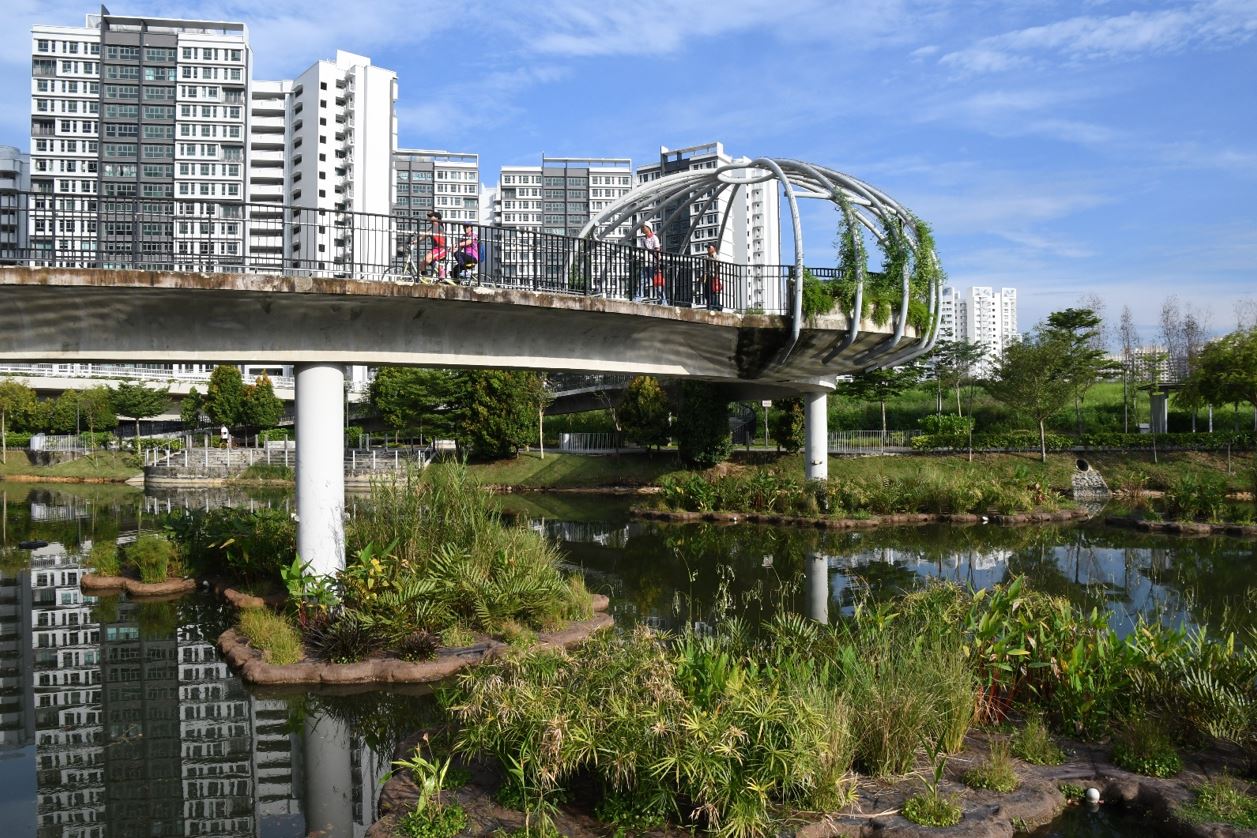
[(123, 280)]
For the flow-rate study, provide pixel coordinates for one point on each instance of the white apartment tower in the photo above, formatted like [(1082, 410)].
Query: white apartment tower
[(129, 114), (986, 317), (947, 314), (342, 130), (745, 222)]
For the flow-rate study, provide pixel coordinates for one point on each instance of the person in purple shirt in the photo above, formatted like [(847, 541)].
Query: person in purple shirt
[(467, 252)]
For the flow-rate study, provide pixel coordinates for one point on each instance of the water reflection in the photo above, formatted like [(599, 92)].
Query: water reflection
[(118, 717), (128, 723)]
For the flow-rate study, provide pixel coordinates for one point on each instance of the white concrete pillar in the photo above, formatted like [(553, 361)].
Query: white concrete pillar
[(321, 466), (818, 588), (329, 776), (816, 436)]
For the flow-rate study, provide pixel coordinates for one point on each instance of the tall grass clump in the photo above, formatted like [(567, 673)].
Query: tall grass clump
[(909, 689), (271, 633), (104, 558), (430, 555), (154, 557), (1222, 800)]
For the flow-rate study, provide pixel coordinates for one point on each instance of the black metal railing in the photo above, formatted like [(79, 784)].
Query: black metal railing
[(138, 225)]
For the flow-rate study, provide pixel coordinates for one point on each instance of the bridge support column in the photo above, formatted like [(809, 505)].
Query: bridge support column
[(321, 466), (816, 436)]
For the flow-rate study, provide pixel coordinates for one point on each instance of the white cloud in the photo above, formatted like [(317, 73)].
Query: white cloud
[(1203, 25)]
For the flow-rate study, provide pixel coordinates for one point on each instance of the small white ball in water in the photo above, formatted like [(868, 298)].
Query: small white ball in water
[(1093, 795)]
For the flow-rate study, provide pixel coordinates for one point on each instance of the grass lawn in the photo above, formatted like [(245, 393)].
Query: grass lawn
[(102, 465), (529, 470), (1119, 469)]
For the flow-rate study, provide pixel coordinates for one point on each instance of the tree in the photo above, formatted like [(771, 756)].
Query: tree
[(1129, 337), (787, 424), (702, 426), (192, 409), (261, 408), (407, 397), (882, 385), (138, 402), (224, 398), (1033, 378), (954, 364), (1225, 371), (644, 413), (96, 409), (1077, 330), (495, 410), (16, 400)]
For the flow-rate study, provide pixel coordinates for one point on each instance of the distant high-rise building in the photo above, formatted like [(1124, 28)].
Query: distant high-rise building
[(558, 197), (426, 180), (983, 316), (127, 115), (14, 179)]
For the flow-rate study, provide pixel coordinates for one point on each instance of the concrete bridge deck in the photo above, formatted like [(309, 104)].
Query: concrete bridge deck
[(64, 314)]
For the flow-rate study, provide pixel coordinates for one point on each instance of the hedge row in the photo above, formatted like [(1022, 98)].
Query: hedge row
[(1029, 441)]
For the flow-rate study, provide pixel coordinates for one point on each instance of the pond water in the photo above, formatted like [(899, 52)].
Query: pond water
[(118, 718)]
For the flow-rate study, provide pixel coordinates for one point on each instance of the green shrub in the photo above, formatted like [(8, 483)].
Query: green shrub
[(932, 809), (1222, 800), (244, 546), (1196, 496), (996, 773), (1033, 742), (947, 424), (104, 558), (1145, 748), (446, 822), (154, 557), (661, 720), (272, 634)]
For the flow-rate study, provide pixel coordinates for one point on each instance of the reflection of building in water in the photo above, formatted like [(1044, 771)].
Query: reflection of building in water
[(140, 710), (138, 727), (582, 532), (17, 663), (70, 788)]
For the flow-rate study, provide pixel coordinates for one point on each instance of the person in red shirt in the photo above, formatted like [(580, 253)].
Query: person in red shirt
[(437, 253)]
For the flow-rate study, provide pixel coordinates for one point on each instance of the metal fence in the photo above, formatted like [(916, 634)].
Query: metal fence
[(870, 442), (177, 234), (591, 442)]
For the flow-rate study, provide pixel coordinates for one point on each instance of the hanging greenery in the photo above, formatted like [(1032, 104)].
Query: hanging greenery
[(852, 256), (925, 268), (818, 297)]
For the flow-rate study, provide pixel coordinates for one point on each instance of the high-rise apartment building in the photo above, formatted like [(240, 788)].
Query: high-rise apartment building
[(947, 314), (14, 179), (983, 316), (426, 180), (744, 222), (558, 197), (127, 115), (561, 194)]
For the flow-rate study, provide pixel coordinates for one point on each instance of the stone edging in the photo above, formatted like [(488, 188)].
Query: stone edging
[(104, 584), (248, 662), (856, 523), (1184, 527)]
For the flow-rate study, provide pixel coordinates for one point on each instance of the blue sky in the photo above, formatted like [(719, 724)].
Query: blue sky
[(1065, 149)]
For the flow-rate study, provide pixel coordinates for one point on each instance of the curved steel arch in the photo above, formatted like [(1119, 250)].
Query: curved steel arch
[(860, 202)]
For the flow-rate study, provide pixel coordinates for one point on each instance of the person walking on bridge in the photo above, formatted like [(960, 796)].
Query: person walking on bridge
[(652, 268)]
